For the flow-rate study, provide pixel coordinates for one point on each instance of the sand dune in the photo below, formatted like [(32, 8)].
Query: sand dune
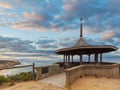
[(32, 85), (86, 83), (93, 83)]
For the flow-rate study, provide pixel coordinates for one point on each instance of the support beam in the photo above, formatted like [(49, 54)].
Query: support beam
[(89, 58), (96, 58), (72, 58), (100, 57), (68, 60), (64, 61), (80, 58)]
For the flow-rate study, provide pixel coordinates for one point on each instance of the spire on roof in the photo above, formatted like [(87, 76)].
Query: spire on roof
[(81, 41), (81, 27)]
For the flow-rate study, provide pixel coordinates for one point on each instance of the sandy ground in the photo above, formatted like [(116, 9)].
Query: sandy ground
[(86, 83), (93, 83), (32, 85)]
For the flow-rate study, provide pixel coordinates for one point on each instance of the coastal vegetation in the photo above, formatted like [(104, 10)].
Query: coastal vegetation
[(11, 79)]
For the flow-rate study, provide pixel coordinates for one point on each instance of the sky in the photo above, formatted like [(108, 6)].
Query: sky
[(35, 29)]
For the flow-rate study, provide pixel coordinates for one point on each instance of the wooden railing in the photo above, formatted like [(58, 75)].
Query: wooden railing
[(23, 66)]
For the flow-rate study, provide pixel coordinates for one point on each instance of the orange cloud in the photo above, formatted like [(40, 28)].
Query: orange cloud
[(87, 30), (107, 35), (5, 5), (33, 16)]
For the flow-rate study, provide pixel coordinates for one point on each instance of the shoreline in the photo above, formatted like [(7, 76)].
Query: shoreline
[(7, 63)]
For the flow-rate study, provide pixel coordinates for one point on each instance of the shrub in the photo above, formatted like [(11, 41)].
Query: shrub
[(24, 76), (3, 79)]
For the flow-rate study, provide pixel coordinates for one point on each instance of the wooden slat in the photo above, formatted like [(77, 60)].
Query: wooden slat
[(12, 67)]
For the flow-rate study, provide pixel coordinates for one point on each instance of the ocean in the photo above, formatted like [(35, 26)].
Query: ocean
[(27, 69), (40, 63)]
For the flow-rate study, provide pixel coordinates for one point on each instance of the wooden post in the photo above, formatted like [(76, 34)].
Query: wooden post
[(80, 58), (72, 58), (68, 60), (100, 57), (89, 58), (33, 69), (96, 58), (64, 61)]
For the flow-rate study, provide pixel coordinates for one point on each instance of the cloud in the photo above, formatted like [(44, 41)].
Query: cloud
[(107, 35), (33, 16), (33, 21), (64, 15), (28, 25), (47, 44), (88, 30), (5, 5), (45, 41), (17, 48)]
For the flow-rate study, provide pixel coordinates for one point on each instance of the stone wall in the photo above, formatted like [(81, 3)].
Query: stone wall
[(98, 70), (48, 70)]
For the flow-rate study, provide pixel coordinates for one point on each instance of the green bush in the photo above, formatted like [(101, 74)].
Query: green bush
[(24, 76), (3, 79)]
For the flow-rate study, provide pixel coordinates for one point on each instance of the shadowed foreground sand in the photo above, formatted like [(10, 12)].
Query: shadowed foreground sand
[(86, 83), (32, 85), (93, 83)]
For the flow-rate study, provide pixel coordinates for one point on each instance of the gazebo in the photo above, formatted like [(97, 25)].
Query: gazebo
[(83, 48)]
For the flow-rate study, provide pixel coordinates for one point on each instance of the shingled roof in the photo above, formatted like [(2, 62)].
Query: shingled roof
[(82, 47)]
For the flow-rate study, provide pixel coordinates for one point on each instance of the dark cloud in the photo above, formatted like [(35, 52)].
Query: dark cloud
[(45, 41), (27, 48), (16, 45), (47, 44)]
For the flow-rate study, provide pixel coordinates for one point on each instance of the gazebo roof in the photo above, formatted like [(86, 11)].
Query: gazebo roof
[(81, 42), (87, 49), (82, 47)]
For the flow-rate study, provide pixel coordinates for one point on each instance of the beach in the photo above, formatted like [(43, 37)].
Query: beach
[(85, 83), (94, 83), (7, 63), (32, 85)]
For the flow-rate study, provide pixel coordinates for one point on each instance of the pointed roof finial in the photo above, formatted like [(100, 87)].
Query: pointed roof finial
[(81, 27)]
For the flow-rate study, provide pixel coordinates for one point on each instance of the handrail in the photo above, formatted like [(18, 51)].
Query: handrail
[(13, 67)]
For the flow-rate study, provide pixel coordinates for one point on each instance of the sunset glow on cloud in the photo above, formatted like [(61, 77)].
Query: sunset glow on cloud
[(36, 28)]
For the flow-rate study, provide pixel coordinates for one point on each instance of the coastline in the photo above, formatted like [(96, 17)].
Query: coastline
[(6, 63)]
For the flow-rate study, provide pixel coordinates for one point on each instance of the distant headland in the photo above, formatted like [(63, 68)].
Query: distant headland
[(7, 63)]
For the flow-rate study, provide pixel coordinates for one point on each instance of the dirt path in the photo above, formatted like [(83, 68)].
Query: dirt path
[(57, 80)]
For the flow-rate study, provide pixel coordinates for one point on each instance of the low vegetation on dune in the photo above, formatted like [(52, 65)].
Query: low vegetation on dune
[(24, 76)]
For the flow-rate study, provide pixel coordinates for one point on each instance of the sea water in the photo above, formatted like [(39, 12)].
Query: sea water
[(38, 63)]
